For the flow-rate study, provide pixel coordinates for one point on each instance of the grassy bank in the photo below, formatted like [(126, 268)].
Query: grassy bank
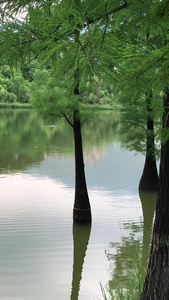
[(14, 105), (27, 105), (100, 107)]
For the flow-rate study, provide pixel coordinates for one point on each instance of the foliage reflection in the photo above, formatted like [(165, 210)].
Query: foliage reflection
[(133, 251), (25, 139)]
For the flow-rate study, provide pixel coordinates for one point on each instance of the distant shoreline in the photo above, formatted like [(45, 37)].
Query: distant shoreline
[(14, 105), (27, 105)]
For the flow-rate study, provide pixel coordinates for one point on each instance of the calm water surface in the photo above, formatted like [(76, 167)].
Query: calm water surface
[(43, 256)]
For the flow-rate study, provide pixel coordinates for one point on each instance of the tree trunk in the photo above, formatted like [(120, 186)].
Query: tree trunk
[(156, 284), (82, 210), (149, 178)]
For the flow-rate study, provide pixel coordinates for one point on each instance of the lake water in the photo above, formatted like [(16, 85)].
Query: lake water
[(43, 256)]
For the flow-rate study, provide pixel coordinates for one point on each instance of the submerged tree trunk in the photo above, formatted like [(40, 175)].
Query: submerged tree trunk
[(82, 210), (149, 178), (156, 286)]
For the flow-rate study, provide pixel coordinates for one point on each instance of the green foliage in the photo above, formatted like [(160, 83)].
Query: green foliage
[(92, 98), (108, 49), (133, 127), (7, 97), (92, 46), (145, 57), (20, 87), (73, 37), (98, 93), (51, 98), (13, 87), (46, 97)]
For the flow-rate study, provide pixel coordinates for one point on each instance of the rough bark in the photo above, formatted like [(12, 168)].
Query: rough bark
[(149, 178), (82, 210), (81, 234), (156, 284)]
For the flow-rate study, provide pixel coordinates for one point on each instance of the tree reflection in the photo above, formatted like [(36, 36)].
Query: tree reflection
[(133, 251), (81, 234), (148, 202), (127, 251), (25, 139)]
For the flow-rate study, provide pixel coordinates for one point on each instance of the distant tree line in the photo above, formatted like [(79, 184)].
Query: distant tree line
[(13, 86), (17, 85)]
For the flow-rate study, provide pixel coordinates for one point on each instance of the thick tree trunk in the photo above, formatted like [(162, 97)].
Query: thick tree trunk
[(81, 234), (149, 178), (156, 284), (82, 210)]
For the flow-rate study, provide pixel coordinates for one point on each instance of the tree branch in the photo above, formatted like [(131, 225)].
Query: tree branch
[(79, 42), (107, 14), (104, 33), (67, 119), (90, 41)]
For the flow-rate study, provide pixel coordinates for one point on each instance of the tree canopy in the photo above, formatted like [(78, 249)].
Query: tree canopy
[(74, 37)]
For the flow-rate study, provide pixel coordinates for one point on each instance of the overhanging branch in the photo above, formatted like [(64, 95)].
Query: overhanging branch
[(108, 13)]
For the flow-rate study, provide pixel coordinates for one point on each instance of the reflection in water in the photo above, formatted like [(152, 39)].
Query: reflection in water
[(133, 250), (81, 234), (32, 207), (25, 139), (148, 201), (127, 252)]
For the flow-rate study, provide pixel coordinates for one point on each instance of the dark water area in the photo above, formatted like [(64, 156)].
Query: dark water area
[(43, 255)]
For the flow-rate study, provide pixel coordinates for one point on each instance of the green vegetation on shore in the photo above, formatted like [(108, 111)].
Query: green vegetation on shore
[(95, 107), (17, 87), (14, 105)]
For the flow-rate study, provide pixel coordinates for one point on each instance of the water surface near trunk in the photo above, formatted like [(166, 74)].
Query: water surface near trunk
[(42, 254)]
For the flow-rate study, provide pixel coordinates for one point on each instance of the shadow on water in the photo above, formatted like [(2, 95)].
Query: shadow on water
[(148, 202), (81, 235)]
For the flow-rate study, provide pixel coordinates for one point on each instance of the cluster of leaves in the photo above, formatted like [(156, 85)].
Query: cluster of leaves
[(13, 87), (133, 124), (70, 34), (143, 69), (36, 82)]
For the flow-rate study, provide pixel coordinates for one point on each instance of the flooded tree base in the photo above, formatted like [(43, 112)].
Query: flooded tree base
[(150, 185), (82, 215), (149, 180)]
